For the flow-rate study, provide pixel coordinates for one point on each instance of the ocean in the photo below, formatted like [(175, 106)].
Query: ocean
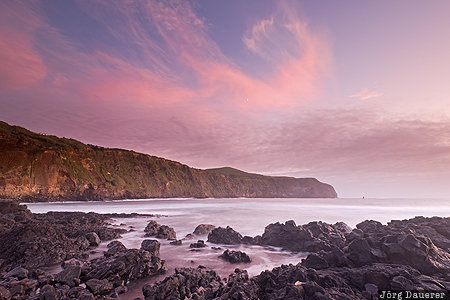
[(247, 216)]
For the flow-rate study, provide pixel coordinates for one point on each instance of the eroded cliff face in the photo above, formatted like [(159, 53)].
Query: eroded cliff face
[(38, 167)]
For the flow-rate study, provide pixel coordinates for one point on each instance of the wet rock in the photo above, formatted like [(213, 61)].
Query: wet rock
[(404, 242), (80, 293), (360, 252), (312, 237), (12, 207), (124, 266), (151, 246), (189, 236), (160, 231), (288, 236), (47, 239), (235, 257), (176, 242), (199, 283), (225, 236), (93, 239), (99, 287), (342, 227), (369, 226), (114, 247), (70, 275), (239, 286), (203, 229), (82, 242), (152, 228), (251, 240), (18, 273), (198, 244), (166, 232), (48, 292), (315, 261)]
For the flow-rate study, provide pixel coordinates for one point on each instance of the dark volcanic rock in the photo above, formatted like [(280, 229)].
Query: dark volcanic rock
[(288, 236), (203, 229), (114, 247), (124, 266), (18, 272), (153, 228), (225, 236), (151, 246), (93, 239), (198, 244), (99, 287), (289, 282), (312, 237), (45, 239), (70, 275), (186, 283), (176, 242), (409, 242), (346, 264), (235, 257), (28, 241)]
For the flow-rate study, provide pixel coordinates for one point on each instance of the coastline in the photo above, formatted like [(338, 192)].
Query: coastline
[(335, 250)]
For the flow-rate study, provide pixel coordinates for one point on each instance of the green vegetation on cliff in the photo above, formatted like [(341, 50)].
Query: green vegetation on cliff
[(38, 167)]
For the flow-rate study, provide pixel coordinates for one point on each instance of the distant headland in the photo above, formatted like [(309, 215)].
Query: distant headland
[(40, 167)]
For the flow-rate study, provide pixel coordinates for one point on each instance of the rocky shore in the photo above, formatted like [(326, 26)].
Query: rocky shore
[(31, 243), (343, 263)]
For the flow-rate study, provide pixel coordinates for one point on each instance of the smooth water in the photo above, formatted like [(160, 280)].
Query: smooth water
[(247, 216)]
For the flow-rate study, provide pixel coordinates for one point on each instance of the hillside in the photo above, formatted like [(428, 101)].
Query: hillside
[(38, 167)]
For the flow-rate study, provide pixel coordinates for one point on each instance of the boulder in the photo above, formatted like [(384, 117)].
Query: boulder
[(287, 236), (166, 232), (124, 266), (235, 257), (225, 236), (198, 244), (315, 261), (153, 228), (114, 247), (203, 229), (99, 287), (151, 246), (189, 236), (93, 239), (70, 275)]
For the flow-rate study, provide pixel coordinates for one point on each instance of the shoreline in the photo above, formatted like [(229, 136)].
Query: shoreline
[(334, 249)]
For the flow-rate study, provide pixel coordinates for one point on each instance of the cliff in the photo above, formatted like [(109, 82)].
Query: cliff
[(38, 167)]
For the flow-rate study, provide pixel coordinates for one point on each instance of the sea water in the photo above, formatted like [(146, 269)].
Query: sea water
[(247, 216)]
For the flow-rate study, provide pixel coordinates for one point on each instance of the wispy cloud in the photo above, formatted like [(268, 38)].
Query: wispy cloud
[(175, 58), (366, 94)]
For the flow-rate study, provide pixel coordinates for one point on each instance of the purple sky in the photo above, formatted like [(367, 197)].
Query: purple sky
[(354, 93)]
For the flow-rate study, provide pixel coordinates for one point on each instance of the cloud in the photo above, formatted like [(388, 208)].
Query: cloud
[(173, 59), (365, 94), (21, 64), (257, 35)]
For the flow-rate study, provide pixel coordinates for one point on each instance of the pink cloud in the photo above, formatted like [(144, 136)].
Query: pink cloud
[(187, 67), (365, 94), (198, 57), (21, 65)]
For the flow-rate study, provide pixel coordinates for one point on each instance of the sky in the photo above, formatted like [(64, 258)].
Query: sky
[(354, 93)]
